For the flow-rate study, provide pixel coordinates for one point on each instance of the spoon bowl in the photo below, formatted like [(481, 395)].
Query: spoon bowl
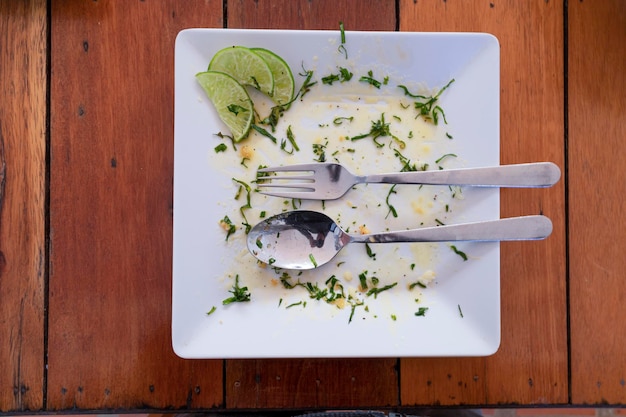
[(303, 239)]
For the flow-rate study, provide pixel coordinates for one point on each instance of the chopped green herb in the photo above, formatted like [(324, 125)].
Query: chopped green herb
[(307, 84), (312, 259), (445, 156), (369, 79), (353, 307), (242, 209), (421, 311), (221, 148), (458, 252), (330, 79), (223, 136), (392, 209), (342, 32), (369, 251), (240, 294), (236, 109), (460, 311), (211, 311), (339, 120), (363, 279), (426, 105), (320, 151), (264, 133), (417, 284), (343, 76), (342, 49), (228, 225), (377, 290)]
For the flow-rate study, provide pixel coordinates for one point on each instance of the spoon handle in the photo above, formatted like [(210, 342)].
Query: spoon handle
[(536, 174), (513, 228)]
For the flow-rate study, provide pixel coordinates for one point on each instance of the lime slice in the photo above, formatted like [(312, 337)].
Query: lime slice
[(284, 85), (231, 100), (245, 66)]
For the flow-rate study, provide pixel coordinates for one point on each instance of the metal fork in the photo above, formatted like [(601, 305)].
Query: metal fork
[(329, 181)]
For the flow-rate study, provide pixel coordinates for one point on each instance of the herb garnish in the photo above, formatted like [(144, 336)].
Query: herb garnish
[(240, 294), (211, 311), (444, 157), (320, 151), (363, 280), (343, 76), (377, 290), (392, 209), (458, 252), (221, 148), (421, 312), (426, 105), (243, 186), (379, 129), (417, 284), (342, 49), (236, 109), (292, 140), (339, 120), (306, 86), (369, 79), (228, 225), (264, 132)]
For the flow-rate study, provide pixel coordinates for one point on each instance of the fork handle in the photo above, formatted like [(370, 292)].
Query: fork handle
[(536, 174)]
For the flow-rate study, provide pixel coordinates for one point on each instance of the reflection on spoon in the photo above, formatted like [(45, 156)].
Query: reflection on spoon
[(304, 239)]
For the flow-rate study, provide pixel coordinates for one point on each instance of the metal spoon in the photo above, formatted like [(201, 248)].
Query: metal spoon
[(307, 239)]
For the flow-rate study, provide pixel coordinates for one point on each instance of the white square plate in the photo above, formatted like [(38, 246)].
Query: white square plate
[(463, 300)]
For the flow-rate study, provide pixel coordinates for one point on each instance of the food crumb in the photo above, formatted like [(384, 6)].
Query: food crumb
[(427, 277), (246, 151)]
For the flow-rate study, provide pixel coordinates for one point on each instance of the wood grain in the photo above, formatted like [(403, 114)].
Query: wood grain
[(312, 15), (318, 383), (311, 383), (22, 203), (597, 158), (111, 171), (531, 364)]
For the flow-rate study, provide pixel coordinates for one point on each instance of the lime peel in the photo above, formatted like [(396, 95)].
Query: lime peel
[(231, 100)]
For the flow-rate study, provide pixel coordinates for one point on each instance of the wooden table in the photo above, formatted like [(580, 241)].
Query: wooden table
[(86, 167)]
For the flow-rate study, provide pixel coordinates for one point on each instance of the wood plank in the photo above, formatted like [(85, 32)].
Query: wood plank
[(321, 382), (311, 383), (111, 176), (597, 157), (22, 203), (531, 364), (312, 15)]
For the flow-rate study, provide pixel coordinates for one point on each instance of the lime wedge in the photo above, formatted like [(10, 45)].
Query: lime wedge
[(245, 66), (231, 100), (284, 85)]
